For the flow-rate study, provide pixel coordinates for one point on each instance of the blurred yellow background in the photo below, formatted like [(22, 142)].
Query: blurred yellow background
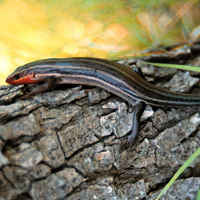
[(39, 29)]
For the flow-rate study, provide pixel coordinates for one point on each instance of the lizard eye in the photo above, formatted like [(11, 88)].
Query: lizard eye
[(16, 76)]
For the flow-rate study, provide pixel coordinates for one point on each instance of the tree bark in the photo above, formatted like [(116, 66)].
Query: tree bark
[(69, 143)]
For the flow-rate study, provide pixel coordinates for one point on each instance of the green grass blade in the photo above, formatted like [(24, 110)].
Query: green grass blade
[(183, 67), (181, 169), (198, 195)]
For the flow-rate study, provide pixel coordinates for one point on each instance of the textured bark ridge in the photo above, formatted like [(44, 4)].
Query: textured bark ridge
[(68, 143)]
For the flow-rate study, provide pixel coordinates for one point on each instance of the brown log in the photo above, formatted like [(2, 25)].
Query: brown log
[(69, 143)]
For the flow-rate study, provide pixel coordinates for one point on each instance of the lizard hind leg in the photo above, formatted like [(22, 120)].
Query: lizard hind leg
[(139, 107)]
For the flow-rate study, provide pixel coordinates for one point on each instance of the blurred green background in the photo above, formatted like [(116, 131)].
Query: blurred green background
[(39, 29)]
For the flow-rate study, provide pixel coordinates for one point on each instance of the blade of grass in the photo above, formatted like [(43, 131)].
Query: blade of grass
[(181, 169), (183, 67), (198, 195)]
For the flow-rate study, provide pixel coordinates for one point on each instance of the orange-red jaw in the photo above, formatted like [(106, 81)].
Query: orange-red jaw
[(28, 79)]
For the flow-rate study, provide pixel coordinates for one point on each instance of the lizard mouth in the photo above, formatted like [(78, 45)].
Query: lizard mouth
[(23, 80)]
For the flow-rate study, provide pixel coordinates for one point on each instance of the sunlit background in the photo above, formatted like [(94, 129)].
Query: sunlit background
[(39, 29)]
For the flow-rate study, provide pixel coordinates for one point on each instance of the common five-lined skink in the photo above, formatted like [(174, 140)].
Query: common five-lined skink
[(116, 78)]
